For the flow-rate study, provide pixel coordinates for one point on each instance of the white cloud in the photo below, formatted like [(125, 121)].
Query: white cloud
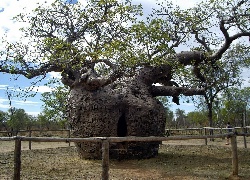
[(186, 4), (12, 8), (4, 106), (33, 113), (31, 89), (3, 100), (4, 103), (3, 87), (182, 3), (41, 89), (33, 103), (35, 89), (55, 75)]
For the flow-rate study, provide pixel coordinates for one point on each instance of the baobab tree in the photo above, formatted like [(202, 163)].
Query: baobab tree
[(111, 61)]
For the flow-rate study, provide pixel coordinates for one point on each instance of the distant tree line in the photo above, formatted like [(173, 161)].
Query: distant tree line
[(232, 106), (17, 119)]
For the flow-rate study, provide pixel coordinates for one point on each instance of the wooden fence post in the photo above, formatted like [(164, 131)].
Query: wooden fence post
[(234, 155), (17, 158), (205, 133), (105, 160), (30, 141), (244, 137), (205, 141), (69, 135)]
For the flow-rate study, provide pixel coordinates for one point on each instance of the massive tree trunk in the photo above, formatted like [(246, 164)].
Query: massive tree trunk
[(123, 108)]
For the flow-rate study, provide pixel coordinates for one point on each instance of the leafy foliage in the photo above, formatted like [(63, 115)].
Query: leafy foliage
[(3, 120), (96, 43), (217, 80), (198, 118), (18, 119), (236, 106), (180, 118), (54, 108)]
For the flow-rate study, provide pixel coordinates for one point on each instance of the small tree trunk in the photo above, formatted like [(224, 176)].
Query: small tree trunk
[(210, 117)]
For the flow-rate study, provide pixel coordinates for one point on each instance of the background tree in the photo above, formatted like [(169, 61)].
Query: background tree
[(18, 119), (110, 61), (169, 114), (3, 120), (225, 74), (181, 118), (43, 122), (236, 105), (55, 103), (169, 118), (198, 118)]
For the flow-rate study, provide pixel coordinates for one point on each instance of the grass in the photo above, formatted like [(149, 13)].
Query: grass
[(173, 162)]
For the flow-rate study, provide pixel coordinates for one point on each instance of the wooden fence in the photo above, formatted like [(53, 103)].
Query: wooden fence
[(207, 130), (105, 147), (172, 132), (29, 132), (204, 130)]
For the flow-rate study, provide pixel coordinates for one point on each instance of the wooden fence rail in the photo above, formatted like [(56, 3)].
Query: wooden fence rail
[(105, 147), (207, 130), (37, 130), (185, 131), (204, 130)]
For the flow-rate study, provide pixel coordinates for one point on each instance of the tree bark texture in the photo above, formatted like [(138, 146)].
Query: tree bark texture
[(123, 108)]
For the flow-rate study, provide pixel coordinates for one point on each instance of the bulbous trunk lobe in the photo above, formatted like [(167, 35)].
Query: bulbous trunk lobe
[(123, 108)]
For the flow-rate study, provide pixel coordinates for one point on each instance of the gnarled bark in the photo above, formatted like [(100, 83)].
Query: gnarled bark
[(125, 107)]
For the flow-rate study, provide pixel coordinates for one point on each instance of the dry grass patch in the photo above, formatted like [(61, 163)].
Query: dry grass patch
[(174, 162)]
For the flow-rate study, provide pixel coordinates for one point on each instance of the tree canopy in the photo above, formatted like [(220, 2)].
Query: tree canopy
[(98, 42)]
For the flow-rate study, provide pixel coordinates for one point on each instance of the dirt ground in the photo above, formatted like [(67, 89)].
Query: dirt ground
[(178, 160)]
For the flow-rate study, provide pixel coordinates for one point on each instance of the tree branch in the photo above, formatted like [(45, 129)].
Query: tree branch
[(202, 42), (228, 41), (175, 91), (190, 57), (31, 72)]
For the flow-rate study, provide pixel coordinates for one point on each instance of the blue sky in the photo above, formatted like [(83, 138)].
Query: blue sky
[(11, 85), (33, 106)]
